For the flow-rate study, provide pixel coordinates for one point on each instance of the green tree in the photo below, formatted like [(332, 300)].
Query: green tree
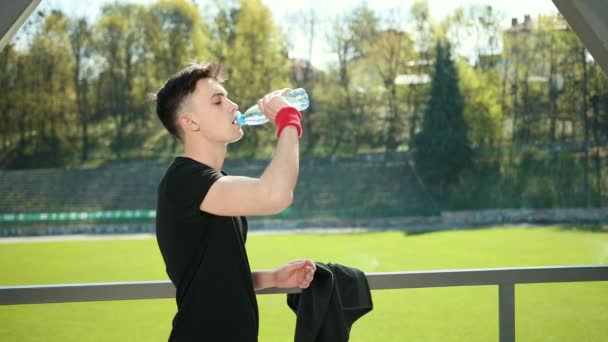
[(456, 28), (9, 101), (177, 36), (256, 65), (336, 99), (425, 31), (80, 41), (599, 104), (487, 26), (51, 112), (115, 43), (7, 61), (304, 75), (482, 111), (182, 35), (347, 102), (441, 148), (222, 28), (387, 52)]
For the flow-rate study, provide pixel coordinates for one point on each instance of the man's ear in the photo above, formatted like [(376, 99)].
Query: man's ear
[(189, 122)]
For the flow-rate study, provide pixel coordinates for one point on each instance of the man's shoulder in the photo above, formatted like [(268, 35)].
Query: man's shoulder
[(187, 178), (184, 167)]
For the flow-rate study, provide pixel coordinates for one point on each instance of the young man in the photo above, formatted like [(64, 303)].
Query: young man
[(200, 225)]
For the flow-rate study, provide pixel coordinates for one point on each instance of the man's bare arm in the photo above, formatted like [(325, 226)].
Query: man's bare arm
[(298, 273), (269, 194)]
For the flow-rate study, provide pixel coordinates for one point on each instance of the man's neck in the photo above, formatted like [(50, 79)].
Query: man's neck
[(206, 153)]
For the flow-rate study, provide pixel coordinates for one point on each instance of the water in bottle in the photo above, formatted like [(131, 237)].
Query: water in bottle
[(253, 116)]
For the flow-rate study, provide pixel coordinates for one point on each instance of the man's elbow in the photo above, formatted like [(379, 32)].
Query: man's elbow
[(281, 202)]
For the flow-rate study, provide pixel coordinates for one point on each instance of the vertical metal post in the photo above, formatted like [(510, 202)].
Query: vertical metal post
[(506, 312)]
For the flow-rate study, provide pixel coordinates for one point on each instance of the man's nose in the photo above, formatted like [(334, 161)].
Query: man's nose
[(236, 106)]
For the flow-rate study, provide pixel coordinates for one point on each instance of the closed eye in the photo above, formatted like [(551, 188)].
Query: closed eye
[(217, 97)]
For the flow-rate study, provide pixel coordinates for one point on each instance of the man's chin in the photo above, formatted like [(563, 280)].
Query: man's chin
[(238, 137)]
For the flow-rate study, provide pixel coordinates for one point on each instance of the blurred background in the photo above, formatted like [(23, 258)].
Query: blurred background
[(425, 116), (411, 113)]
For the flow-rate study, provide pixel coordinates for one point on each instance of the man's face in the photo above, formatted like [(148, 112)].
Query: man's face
[(209, 112)]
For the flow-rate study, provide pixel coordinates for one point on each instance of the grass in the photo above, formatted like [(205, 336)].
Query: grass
[(544, 312)]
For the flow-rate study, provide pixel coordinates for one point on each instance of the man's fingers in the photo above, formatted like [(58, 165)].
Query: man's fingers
[(308, 262), (311, 264), (294, 265), (280, 92), (307, 275), (268, 97), (306, 266), (310, 275), (306, 279)]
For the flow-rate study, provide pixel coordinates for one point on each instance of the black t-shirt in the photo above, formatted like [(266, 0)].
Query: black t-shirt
[(205, 258)]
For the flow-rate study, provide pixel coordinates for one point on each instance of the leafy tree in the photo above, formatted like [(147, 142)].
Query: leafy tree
[(8, 82), (387, 53), (81, 43), (222, 27), (117, 44), (303, 33), (51, 112), (256, 65), (482, 112), (423, 35), (178, 35), (337, 99), (350, 104), (75, 91)]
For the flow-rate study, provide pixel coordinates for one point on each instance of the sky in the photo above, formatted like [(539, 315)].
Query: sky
[(286, 12), (283, 12)]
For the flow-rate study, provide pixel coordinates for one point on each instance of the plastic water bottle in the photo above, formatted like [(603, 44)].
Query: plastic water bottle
[(253, 116)]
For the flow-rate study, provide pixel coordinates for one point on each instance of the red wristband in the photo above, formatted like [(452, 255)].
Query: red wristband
[(288, 116)]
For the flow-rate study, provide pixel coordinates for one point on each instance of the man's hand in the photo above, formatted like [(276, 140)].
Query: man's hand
[(272, 103), (298, 273)]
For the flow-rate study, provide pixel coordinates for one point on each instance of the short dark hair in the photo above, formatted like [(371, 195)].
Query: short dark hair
[(172, 94)]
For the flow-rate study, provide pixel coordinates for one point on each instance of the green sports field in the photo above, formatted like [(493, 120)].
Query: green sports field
[(544, 312)]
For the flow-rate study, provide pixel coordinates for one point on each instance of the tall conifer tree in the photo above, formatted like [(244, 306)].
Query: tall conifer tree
[(441, 148)]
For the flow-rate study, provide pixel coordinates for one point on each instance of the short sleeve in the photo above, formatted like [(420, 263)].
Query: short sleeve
[(189, 183)]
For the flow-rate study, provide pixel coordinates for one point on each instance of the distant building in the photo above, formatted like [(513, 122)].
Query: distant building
[(526, 26), (410, 79), (489, 61), (519, 41), (418, 73)]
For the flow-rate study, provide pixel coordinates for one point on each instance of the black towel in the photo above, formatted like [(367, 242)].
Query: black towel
[(335, 299)]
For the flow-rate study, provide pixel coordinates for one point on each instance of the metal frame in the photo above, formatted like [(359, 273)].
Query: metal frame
[(505, 278), (13, 15), (588, 18), (585, 18)]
